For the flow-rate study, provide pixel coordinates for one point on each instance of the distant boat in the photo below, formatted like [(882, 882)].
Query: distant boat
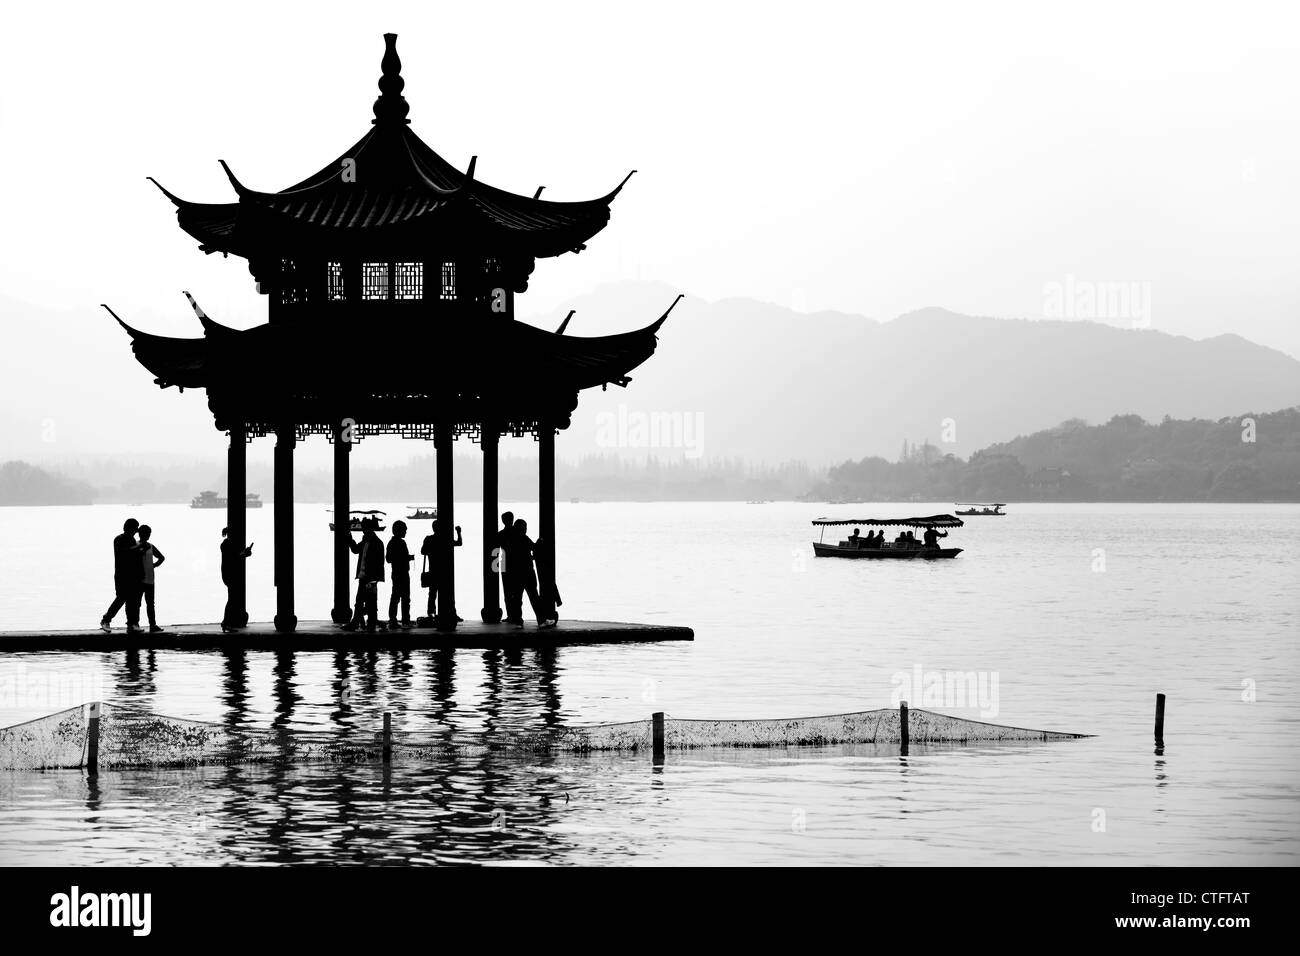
[(573, 501), (888, 550), (354, 522), (420, 513), (759, 501), (980, 509), (210, 499)]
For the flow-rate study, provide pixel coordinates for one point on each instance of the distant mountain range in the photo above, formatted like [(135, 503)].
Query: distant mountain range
[(732, 379), (771, 384)]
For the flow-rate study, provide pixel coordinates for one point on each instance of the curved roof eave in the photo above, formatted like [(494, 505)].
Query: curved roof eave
[(173, 361)]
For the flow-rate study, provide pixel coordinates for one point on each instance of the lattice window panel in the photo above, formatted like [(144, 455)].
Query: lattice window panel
[(290, 290), (408, 280), (447, 282), (374, 281), (334, 290)]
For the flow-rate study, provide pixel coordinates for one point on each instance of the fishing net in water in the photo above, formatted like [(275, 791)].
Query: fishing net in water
[(883, 726), (57, 740), (132, 738)]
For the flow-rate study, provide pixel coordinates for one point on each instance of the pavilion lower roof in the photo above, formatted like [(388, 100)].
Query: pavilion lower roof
[(268, 369)]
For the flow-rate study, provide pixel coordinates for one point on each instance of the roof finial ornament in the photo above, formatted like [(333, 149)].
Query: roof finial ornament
[(391, 107)]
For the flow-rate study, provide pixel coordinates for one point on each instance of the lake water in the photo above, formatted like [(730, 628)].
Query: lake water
[(1076, 615)]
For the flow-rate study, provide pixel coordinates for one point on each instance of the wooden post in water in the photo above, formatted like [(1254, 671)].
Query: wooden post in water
[(388, 737), (657, 723), (902, 727), (92, 741), (1160, 722)]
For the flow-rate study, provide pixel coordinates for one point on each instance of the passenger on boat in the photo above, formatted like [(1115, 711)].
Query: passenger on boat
[(875, 539), (932, 537), (855, 539)]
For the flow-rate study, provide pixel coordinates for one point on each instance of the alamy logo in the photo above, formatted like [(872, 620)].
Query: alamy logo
[(102, 909), (632, 429), (1128, 303), (950, 690)]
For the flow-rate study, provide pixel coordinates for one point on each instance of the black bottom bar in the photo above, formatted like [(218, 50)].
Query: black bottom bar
[(1150, 907)]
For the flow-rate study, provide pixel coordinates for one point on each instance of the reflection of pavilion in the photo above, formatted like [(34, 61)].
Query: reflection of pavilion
[(391, 253), (459, 807)]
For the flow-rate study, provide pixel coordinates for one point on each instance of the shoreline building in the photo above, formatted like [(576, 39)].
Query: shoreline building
[(389, 243)]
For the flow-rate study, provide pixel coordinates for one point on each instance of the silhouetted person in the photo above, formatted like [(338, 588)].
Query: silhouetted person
[(150, 558), (507, 526), (855, 539), (873, 542), (513, 599), (932, 537), (433, 550), (519, 577), (546, 586), (127, 579), (370, 571), (231, 557), (399, 556)]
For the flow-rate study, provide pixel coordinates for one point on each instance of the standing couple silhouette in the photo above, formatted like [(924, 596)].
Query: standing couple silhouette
[(133, 577), (515, 555)]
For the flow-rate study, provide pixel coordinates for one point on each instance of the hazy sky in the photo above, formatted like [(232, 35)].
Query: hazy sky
[(872, 158)]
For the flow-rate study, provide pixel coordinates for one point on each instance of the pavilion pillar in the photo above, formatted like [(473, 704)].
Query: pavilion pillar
[(237, 522), (546, 509), (341, 613), (285, 438), (491, 439), (444, 436)]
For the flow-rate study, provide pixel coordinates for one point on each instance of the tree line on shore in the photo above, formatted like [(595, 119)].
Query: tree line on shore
[(1250, 457), (607, 477), (25, 484)]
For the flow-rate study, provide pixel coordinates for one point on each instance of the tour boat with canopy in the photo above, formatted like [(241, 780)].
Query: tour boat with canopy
[(990, 510), (885, 550), (210, 499), (355, 519)]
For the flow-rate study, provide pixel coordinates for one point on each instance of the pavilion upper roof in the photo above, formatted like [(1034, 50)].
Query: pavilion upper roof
[(390, 190)]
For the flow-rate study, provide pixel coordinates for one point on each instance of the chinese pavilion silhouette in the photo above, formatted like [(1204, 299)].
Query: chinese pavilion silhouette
[(392, 241)]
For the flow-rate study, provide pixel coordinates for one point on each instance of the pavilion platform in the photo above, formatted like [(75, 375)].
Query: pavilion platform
[(326, 636)]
